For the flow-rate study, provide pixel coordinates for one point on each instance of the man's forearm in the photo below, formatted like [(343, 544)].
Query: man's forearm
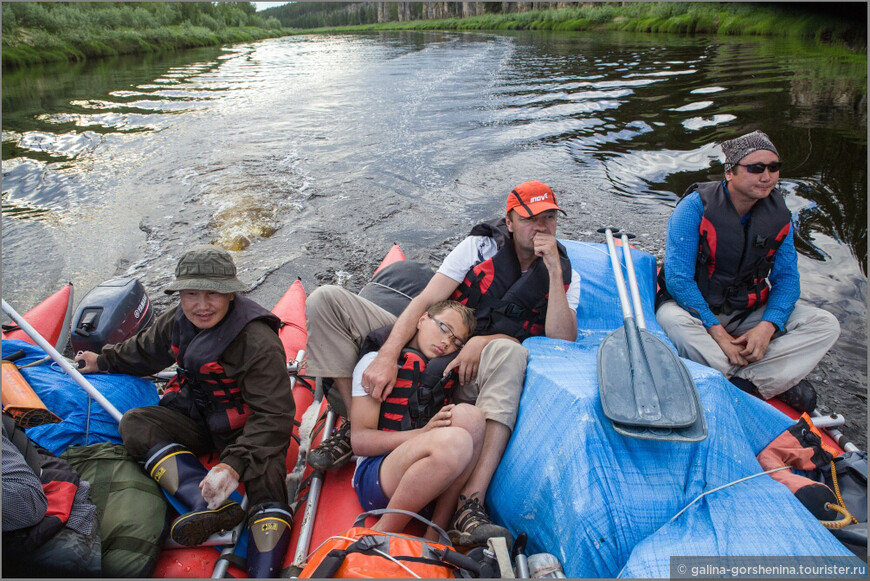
[(561, 321), (404, 328)]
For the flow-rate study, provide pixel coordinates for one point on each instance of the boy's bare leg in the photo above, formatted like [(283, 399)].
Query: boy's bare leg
[(419, 470), (434, 464)]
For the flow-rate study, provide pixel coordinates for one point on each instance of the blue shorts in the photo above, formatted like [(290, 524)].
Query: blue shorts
[(367, 483)]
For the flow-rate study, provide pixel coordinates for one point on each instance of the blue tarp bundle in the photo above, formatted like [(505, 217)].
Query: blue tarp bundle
[(66, 399), (602, 502)]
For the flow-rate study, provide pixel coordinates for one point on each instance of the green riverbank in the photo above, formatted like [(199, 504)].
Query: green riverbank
[(42, 32), (833, 26)]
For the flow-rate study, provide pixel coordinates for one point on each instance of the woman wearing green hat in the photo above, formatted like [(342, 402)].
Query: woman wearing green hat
[(231, 395)]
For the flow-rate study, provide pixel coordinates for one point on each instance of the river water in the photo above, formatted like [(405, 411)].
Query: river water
[(309, 156)]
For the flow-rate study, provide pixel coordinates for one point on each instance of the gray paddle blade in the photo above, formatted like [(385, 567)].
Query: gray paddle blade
[(643, 383), (694, 433), (697, 432)]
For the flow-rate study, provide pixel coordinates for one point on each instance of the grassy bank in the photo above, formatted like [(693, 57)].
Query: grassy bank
[(731, 19), (36, 32), (39, 32), (38, 46)]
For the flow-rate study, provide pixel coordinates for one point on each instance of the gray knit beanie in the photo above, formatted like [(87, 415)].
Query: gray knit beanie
[(739, 147)]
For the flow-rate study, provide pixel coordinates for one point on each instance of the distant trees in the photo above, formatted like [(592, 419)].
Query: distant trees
[(839, 22), (324, 14), (308, 15)]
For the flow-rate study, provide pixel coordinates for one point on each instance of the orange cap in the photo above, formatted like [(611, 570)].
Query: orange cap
[(531, 198)]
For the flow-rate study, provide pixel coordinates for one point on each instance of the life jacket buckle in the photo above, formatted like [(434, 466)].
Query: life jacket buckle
[(514, 311)]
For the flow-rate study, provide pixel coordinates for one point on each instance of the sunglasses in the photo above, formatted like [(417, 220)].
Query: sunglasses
[(759, 167), (449, 332)]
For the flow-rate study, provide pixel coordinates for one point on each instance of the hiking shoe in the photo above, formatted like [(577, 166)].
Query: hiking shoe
[(334, 451), (193, 528), (745, 385), (471, 526), (802, 397)]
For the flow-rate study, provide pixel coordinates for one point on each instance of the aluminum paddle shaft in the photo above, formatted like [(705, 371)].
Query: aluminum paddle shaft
[(620, 282), (61, 360), (617, 272), (632, 283)]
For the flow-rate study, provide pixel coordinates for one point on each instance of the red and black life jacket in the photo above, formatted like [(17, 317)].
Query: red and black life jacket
[(421, 388), (734, 262), (505, 299), (801, 448), (60, 482), (201, 388)]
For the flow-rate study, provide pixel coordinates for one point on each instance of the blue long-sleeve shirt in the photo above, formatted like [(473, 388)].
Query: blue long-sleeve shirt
[(681, 254)]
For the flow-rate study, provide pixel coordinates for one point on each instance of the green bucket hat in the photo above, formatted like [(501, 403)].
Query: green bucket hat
[(206, 267)]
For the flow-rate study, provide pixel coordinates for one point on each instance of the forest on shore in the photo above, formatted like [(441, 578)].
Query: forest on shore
[(36, 32), (830, 22)]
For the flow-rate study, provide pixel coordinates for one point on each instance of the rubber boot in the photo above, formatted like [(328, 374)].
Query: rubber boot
[(179, 473), (268, 539)]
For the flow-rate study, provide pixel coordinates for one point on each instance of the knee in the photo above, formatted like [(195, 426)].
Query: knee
[(131, 424), (828, 323), (451, 448), (322, 299), (132, 427), (506, 352), (670, 314), (470, 418), (676, 322)]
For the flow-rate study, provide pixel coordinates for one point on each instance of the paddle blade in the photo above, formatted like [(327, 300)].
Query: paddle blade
[(641, 375), (697, 432)]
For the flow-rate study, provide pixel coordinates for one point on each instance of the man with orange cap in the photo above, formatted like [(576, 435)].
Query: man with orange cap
[(519, 281)]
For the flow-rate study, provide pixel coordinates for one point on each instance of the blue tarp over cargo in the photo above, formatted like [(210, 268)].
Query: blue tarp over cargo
[(604, 503), (84, 420)]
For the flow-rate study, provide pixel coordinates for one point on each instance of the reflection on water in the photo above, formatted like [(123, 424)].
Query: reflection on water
[(639, 113), (321, 151)]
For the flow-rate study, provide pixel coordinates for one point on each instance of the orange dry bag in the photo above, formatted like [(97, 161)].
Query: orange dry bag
[(21, 402), (362, 553)]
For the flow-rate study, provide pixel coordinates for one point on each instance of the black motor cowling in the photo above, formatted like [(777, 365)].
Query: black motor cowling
[(109, 313)]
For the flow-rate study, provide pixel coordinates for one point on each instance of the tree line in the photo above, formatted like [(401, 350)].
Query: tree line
[(837, 22), (307, 15)]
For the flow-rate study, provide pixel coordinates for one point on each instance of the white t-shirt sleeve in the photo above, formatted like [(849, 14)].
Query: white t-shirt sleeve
[(470, 252), (357, 388), (573, 292)]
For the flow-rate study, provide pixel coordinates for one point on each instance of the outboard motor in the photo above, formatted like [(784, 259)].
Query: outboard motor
[(110, 313)]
